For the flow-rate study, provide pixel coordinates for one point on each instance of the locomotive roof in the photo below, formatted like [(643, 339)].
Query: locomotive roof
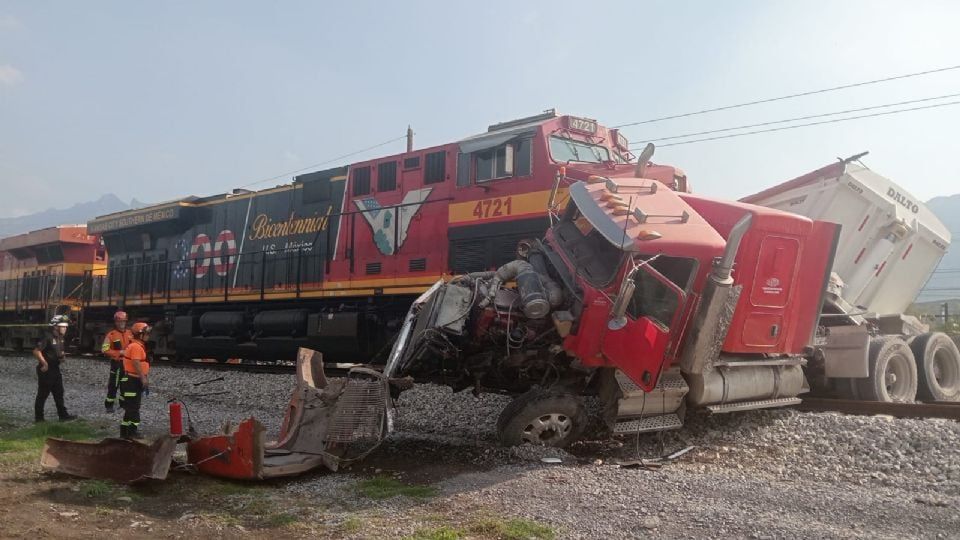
[(70, 234)]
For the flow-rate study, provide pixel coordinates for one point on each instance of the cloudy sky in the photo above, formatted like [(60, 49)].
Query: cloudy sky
[(161, 100)]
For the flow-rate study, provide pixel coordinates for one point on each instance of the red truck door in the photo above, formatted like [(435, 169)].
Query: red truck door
[(643, 345)]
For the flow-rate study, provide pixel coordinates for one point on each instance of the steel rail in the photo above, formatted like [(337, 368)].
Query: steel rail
[(947, 410)]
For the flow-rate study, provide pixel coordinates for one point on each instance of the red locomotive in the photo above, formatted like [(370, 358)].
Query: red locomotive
[(332, 260)]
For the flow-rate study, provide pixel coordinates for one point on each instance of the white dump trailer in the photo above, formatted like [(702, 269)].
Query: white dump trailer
[(888, 246)]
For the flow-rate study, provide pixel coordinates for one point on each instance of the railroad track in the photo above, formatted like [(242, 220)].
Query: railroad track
[(942, 409), (948, 410), (226, 366)]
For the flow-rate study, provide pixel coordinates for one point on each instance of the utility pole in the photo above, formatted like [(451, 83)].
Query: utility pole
[(409, 139), (945, 311)]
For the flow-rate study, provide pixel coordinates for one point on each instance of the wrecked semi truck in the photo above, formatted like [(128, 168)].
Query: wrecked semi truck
[(651, 299), (889, 245)]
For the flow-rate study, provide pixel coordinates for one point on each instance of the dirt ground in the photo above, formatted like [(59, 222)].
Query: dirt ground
[(39, 504), (441, 475)]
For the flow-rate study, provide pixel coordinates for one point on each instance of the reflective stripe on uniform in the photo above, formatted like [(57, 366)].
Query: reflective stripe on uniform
[(129, 423), (110, 400), (129, 394), (106, 346)]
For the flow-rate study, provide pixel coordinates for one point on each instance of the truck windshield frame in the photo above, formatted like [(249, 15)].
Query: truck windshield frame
[(591, 254), (563, 150)]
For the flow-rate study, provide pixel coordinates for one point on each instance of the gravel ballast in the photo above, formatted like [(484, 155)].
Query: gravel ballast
[(761, 474)]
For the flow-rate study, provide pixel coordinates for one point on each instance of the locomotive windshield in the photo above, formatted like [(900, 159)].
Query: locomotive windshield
[(563, 150)]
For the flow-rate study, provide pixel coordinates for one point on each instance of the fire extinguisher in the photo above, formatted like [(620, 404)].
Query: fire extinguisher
[(176, 418)]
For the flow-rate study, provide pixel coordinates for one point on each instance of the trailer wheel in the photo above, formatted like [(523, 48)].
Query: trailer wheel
[(542, 417), (938, 367), (893, 372)]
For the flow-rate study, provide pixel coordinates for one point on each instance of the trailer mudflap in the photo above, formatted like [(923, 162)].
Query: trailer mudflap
[(327, 423), (121, 460)]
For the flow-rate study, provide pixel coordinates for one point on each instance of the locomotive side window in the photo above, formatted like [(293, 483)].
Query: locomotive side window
[(387, 176), (361, 181), (504, 161), (436, 168), (524, 156)]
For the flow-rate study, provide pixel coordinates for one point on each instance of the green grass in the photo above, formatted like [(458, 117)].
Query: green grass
[(352, 524), (383, 487), (512, 529), (209, 487), (282, 519), (95, 488), (25, 443), (438, 533)]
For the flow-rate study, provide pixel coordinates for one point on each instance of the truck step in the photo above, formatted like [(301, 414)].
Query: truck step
[(666, 397), (750, 405), (660, 422), (670, 382)]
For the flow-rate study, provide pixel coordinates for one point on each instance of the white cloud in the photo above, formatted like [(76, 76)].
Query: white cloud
[(10, 75)]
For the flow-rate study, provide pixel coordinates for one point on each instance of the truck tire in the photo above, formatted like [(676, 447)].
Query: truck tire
[(542, 417), (938, 367), (893, 372)]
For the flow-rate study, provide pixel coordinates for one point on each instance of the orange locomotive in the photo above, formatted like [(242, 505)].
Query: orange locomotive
[(41, 275)]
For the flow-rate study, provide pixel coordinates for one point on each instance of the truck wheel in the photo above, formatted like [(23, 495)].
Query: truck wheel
[(542, 417), (938, 367), (893, 372)]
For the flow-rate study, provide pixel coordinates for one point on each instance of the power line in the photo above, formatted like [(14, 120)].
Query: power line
[(315, 165), (790, 96), (811, 124), (748, 126)]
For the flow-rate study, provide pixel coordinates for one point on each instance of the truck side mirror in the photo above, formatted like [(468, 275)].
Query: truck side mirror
[(618, 314)]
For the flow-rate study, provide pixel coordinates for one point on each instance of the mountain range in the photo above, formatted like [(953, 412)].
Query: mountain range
[(945, 282), (79, 213)]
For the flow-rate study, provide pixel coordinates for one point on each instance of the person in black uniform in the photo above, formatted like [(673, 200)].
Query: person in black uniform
[(49, 353)]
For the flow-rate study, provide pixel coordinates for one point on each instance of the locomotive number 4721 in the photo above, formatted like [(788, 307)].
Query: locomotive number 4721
[(488, 208)]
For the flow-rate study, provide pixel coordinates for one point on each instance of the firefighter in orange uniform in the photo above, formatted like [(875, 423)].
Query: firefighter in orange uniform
[(113, 346), (134, 383)]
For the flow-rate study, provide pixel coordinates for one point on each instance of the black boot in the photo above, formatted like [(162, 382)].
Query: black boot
[(108, 405), (66, 417)]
